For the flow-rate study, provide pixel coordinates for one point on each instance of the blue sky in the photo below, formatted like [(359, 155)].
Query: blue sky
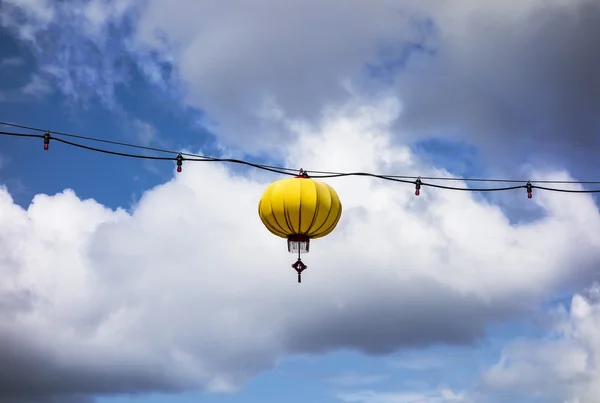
[(94, 120), (450, 290)]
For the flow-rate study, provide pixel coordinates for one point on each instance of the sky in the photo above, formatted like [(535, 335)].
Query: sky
[(124, 281)]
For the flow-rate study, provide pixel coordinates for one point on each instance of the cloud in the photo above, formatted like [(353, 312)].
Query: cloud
[(562, 366), (176, 293), (115, 288), (516, 78), (46, 399), (263, 58), (357, 379), (11, 62), (27, 17), (443, 395), (519, 76), (37, 87), (80, 44), (144, 133)]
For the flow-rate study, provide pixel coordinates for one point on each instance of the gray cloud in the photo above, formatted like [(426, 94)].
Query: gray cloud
[(250, 64), (48, 399), (409, 319), (33, 373), (519, 84)]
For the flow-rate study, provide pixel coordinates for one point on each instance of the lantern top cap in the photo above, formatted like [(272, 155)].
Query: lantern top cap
[(302, 174)]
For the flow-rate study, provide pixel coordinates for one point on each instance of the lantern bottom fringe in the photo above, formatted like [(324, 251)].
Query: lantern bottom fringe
[(298, 244)]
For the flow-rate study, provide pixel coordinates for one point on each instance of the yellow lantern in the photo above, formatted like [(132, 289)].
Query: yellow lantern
[(299, 209)]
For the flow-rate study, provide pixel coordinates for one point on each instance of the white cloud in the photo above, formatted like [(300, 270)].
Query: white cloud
[(100, 13), (563, 366), (144, 133), (37, 87), (443, 395), (357, 379), (179, 292), (76, 43), (33, 16), (11, 62), (292, 55)]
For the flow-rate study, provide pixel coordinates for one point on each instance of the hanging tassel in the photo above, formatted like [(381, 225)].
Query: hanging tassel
[(299, 267)]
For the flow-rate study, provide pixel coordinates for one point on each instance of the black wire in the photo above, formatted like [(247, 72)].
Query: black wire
[(474, 189), (23, 127), (250, 164), (328, 174), (278, 169), (148, 157), (161, 150), (22, 134), (567, 190), (197, 158), (93, 139), (397, 179), (339, 175), (286, 171)]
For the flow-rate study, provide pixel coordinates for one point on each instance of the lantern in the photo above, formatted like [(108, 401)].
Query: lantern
[(299, 209)]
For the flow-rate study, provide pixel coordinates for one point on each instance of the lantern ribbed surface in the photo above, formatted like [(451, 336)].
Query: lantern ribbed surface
[(300, 206)]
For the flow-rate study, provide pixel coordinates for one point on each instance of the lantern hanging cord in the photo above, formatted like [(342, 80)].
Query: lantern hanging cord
[(175, 156)]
